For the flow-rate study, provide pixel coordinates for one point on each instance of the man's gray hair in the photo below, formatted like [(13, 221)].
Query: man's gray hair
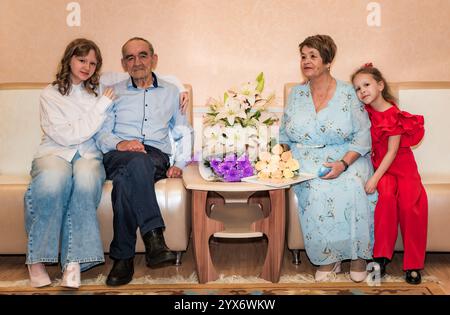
[(150, 46)]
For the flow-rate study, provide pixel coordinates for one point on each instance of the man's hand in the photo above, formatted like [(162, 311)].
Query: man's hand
[(131, 145), (174, 172), (184, 101)]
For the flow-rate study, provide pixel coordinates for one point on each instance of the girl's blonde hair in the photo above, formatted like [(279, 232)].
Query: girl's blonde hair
[(368, 68), (78, 47)]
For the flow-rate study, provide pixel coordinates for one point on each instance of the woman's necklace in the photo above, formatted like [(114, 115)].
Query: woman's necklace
[(320, 100)]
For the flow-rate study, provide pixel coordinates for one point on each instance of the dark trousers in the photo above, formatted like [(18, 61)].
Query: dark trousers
[(133, 196)]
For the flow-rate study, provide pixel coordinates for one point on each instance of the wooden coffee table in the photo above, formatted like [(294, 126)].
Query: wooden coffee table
[(235, 210)]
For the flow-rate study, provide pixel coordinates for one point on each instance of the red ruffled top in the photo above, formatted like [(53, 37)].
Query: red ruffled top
[(393, 122)]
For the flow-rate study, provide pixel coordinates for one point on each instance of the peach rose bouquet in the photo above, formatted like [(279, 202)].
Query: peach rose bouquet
[(277, 164)]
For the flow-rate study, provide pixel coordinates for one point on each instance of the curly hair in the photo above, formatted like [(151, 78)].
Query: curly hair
[(78, 47), (324, 44), (368, 68)]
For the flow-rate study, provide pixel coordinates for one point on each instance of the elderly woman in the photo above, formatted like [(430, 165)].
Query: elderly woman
[(325, 125)]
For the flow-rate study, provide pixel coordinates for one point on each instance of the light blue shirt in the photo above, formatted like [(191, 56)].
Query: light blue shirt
[(150, 115)]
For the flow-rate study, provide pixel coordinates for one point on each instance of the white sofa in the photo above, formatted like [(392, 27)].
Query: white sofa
[(432, 100), (20, 135)]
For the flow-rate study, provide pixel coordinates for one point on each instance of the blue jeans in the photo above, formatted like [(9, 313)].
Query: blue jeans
[(60, 210)]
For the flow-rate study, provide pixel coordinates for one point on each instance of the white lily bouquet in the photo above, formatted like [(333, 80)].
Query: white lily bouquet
[(235, 131)]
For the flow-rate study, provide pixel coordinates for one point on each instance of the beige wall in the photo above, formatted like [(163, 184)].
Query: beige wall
[(214, 44)]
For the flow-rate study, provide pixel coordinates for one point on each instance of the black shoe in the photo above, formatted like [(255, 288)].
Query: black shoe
[(156, 251), (413, 276), (382, 262), (121, 272)]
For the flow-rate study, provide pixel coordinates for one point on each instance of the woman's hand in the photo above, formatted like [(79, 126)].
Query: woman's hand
[(109, 93), (371, 185), (336, 169), (184, 101)]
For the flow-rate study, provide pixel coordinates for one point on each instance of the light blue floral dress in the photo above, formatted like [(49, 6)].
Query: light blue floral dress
[(336, 215)]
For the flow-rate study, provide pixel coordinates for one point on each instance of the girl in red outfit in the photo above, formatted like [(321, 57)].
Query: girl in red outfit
[(401, 195)]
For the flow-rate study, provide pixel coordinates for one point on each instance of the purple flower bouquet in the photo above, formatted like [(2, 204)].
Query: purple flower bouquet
[(231, 168)]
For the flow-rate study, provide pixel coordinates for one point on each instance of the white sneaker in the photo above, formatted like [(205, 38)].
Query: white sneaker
[(324, 275), (71, 276), (38, 275)]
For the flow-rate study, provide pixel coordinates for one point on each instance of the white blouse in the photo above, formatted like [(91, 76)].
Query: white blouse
[(70, 121)]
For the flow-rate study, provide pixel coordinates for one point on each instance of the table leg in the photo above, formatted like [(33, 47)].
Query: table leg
[(213, 199), (273, 227), (202, 229), (262, 199)]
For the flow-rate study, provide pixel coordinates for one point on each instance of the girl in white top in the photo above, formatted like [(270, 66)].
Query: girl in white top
[(67, 170)]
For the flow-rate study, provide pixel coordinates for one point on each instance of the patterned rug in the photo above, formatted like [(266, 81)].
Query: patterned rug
[(233, 289), (299, 284)]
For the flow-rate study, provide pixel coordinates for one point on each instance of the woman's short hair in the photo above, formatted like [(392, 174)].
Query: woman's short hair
[(324, 44), (78, 47)]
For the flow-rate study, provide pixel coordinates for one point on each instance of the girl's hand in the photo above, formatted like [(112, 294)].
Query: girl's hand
[(371, 185), (184, 101), (109, 93), (336, 169)]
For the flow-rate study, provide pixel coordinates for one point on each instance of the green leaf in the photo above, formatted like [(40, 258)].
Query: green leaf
[(273, 142), (225, 97), (268, 122), (260, 80), (260, 77)]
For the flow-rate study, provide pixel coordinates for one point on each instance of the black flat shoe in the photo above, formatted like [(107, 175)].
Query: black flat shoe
[(413, 276), (121, 272), (382, 262)]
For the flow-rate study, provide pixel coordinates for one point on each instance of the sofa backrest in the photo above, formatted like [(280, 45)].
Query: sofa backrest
[(432, 100), (20, 131)]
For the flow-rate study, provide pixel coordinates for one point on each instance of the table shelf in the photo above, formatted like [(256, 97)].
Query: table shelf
[(237, 220)]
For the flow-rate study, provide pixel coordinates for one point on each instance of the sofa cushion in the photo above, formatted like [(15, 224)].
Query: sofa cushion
[(172, 197)]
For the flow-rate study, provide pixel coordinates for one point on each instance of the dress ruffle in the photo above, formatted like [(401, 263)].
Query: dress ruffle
[(397, 122)]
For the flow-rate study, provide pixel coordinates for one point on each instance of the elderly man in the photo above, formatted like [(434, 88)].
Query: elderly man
[(135, 141)]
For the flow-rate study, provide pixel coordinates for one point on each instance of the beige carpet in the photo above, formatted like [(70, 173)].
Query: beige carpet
[(299, 284)]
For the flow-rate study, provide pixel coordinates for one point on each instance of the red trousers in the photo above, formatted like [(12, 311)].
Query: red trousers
[(402, 200)]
